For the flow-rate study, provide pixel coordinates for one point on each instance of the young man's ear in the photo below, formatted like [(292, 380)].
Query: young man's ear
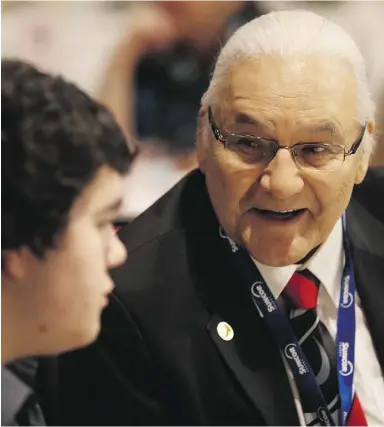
[(201, 143), (12, 265)]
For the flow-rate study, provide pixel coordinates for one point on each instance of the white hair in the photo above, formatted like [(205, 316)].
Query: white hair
[(292, 32)]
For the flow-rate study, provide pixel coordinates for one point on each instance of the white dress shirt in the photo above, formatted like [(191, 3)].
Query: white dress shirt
[(327, 265)]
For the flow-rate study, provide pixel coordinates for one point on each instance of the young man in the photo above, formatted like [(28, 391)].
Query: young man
[(63, 162)]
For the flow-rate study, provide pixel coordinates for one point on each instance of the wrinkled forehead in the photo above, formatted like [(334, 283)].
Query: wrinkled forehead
[(292, 91)]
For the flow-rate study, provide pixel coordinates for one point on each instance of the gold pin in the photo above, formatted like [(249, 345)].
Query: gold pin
[(225, 331)]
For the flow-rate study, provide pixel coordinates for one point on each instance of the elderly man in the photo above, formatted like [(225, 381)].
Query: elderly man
[(253, 294)]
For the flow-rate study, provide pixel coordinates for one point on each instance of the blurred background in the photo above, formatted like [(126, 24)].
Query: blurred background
[(150, 62)]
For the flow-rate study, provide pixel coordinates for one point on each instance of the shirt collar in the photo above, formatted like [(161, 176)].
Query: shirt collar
[(326, 264), (14, 394)]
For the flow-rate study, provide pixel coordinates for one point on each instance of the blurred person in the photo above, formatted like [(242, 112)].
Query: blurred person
[(155, 80), (63, 163), (253, 294), (162, 66)]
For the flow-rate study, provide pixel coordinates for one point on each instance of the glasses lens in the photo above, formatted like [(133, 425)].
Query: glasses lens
[(319, 156), (251, 149)]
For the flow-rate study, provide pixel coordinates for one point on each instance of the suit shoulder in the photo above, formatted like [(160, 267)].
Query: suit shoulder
[(159, 241), (370, 193), (164, 216), (375, 176)]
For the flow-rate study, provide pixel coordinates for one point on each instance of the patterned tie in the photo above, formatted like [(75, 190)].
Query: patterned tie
[(318, 345), (30, 414)]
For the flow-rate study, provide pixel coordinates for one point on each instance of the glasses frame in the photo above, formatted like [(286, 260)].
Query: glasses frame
[(223, 136)]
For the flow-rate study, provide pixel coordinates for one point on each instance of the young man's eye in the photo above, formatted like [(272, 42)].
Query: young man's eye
[(104, 225)]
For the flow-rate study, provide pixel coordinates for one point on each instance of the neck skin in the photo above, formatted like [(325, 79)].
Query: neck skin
[(8, 347), (308, 256), (14, 342)]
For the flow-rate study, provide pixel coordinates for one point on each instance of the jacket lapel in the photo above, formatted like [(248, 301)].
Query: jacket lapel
[(251, 355), (259, 370), (366, 236)]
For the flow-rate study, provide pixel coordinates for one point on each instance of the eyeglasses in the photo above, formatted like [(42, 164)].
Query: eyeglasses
[(308, 155)]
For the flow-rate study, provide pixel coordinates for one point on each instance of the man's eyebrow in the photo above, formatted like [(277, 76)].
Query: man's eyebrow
[(325, 127), (242, 118), (112, 207)]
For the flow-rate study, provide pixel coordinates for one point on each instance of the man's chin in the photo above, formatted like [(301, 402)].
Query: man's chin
[(273, 262), (278, 249), (280, 257)]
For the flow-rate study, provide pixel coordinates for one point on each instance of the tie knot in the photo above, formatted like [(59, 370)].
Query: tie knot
[(302, 290)]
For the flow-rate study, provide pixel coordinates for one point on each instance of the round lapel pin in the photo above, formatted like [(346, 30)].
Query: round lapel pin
[(225, 331)]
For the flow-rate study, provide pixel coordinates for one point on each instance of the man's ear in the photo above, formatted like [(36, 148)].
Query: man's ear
[(12, 264), (364, 161), (201, 143)]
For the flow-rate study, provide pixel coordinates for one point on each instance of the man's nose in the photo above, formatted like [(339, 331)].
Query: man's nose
[(282, 177), (117, 253)]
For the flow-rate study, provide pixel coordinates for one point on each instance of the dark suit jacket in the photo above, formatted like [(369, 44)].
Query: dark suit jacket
[(159, 359)]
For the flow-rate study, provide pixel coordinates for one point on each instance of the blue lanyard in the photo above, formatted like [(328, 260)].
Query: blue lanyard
[(310, 393), (346, 327)]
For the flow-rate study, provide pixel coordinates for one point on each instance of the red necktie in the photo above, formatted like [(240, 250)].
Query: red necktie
[(301, 293)]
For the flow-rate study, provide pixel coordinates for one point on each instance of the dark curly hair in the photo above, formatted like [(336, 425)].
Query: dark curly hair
[(54, 140)]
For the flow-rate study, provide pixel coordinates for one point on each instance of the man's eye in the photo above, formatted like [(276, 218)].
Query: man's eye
[(104, 225), (315, 149), (249, 143)]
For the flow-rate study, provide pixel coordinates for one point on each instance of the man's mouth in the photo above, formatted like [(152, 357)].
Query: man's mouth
[(286, 215)]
